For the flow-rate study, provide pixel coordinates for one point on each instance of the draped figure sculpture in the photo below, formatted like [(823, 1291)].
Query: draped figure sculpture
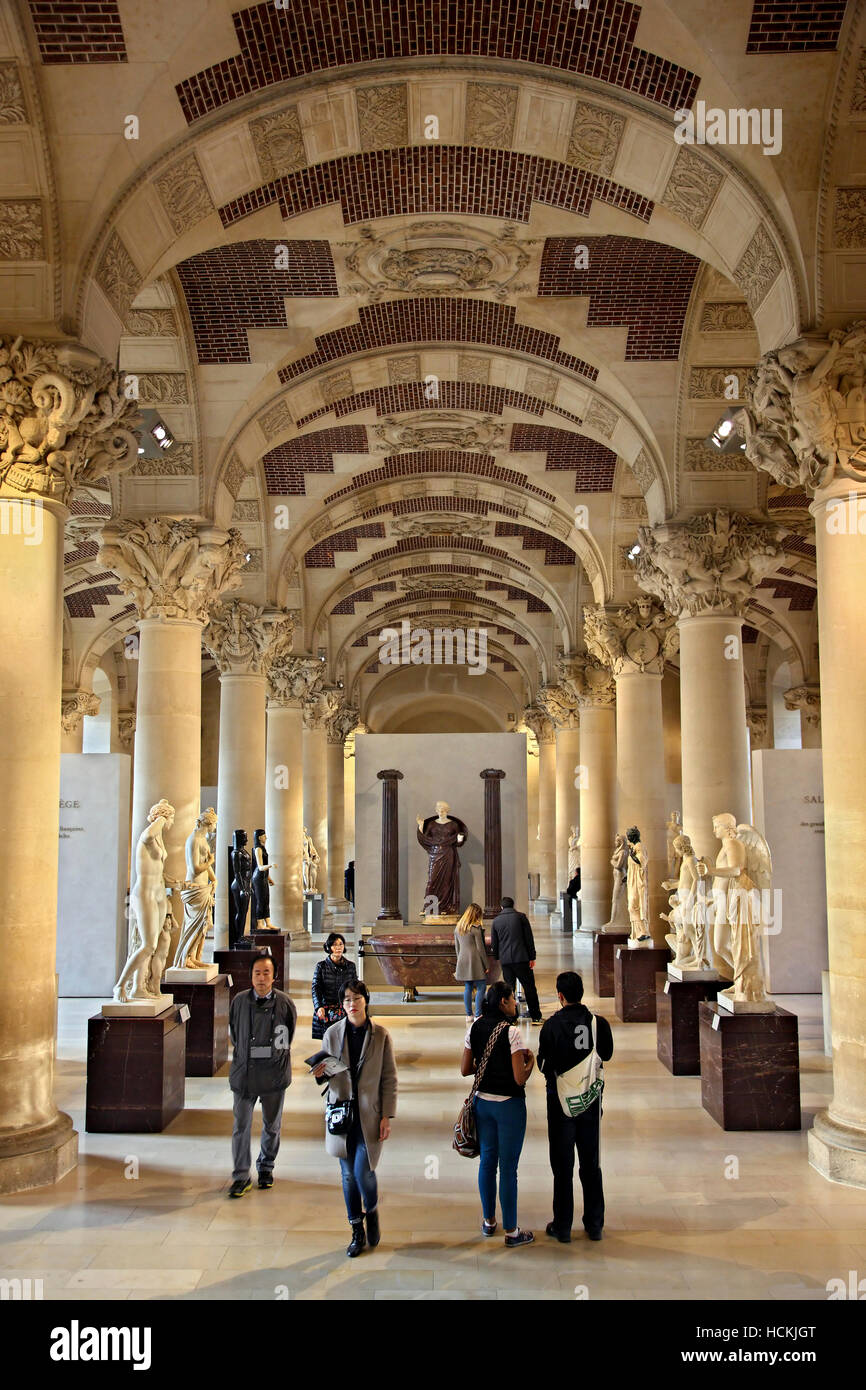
[(742, 884), (441, 835), (311, 863), (141, 976), (262, 882), (636, 886), (618, 862), (197, 893), (688, 916)]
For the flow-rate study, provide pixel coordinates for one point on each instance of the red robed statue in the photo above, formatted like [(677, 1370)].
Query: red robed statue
[(440, 835)]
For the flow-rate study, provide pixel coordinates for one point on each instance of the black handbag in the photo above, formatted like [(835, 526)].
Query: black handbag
[(339, 1115)]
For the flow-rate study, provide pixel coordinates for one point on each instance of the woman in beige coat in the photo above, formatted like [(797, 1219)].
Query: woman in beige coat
[(371, 1080), (472, 963)]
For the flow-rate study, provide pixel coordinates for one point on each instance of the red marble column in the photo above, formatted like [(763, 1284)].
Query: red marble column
[(390, 909), (492, 840)]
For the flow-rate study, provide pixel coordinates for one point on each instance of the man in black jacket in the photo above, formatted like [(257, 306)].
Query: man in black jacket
[(565, 1040), (512, 944), (262, 1024)]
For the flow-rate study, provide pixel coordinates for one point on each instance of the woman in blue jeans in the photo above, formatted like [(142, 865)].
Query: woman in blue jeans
[(472, 962), (500, 1107)]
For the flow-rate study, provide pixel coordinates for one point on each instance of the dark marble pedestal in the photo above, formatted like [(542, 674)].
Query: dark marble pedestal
[(750, 1068), (277, 942), (239, 964), (207, 1032), (679, 1044), (604, 946), (135, 1072), (634, 982)]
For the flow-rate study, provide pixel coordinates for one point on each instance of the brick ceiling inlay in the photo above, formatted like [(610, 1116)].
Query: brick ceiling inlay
[(232, 288), (795, 26), (441, 461), (412, 544), (593, 463), (286, 465), (279, 43), (642, 284), (321, 555), (78, 31), (82, 603), (453, 395), (555, 551), (438, 178), (436, 321)]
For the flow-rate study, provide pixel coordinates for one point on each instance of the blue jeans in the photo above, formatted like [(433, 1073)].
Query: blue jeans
[(501, 1126), (479, 986), (360, 1188)]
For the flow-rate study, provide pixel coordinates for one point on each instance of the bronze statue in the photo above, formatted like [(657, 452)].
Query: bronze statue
[(440, 835)]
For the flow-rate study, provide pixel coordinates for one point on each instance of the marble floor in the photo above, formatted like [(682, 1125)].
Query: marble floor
[(692, 1211)]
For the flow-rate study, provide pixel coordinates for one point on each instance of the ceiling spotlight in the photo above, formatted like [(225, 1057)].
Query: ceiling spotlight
[(726, 436), (156, 437), (634, 552), (248, 556), (162, 435)]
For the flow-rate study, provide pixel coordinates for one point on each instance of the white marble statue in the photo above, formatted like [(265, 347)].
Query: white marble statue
[(618, 914), (673, 828), (311, 863), (573, 852), (742, 893), (636, 886), (197, 893), (688, 915), (141, 975)]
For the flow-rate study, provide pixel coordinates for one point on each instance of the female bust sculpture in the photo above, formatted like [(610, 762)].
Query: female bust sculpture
[(141, 975), (241, 868), (197, 893), (440, 835), (262, 882)]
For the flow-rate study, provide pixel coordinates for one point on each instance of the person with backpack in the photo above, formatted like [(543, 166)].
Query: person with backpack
[(493, 1051), (571, 1048)]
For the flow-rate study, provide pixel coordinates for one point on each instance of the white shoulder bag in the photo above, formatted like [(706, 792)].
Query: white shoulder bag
[(581, 1086)]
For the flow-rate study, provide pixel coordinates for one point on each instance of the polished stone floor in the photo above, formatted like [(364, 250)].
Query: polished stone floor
[(692, 1211)]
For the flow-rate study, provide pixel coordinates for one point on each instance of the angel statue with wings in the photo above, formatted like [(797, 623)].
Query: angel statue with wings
[(742, 879)]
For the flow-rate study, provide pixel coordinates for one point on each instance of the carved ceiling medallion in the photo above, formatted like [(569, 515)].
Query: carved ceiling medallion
[(432, 258), (439, 429)]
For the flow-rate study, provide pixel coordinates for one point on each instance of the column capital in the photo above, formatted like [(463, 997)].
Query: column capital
[(494, 773), (560, 706), (172, 569), (805, 421), (239, 637), (390, 774), (65, 421), (757, 719), (636, 638), (73, 707), (321, 706), (292, 678), (126, 726), (806, 697), (711, 563), (587, 680), (535, 718), (342, 723)]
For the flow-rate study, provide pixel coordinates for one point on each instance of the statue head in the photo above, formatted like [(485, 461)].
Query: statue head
[(644, 605), (618, 840), (633, 835), (682, 844), (724, 825), (207, 821), (240, 839), (442, 808), (162, 808), (260, 838)]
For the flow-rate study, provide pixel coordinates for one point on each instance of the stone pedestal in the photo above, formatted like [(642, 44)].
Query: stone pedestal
[(634, 982), (604, 947), (750, 1068), (207, 1032), (566, 918), (135, 1072), (278, 943), (678, 1044), (239, 964)]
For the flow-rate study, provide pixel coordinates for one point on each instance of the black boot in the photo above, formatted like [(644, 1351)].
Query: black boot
[(359, 1240), (373, 1235)]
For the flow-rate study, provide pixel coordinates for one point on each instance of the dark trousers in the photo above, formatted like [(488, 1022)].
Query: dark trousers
[(272, 1114), (564, 1134), (360, 1189), (521, 971)]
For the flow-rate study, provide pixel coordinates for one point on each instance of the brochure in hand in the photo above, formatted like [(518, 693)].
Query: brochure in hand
[(333, 1065)]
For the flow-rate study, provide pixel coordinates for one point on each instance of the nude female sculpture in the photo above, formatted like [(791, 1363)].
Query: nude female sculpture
[(197, 893), (618, 864), (141, 975)]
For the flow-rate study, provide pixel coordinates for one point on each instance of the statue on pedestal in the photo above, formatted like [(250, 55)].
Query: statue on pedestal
[(673, 828), (688, 915), (637, 890), (618, 862), (241, 870), (441, 835), (262, 882), (197, 893), (141, 976), (742, 884), (311, 863)]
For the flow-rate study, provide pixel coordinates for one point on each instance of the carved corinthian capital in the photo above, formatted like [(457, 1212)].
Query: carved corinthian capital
[(637, 637), (239, 636), (758, 722), (322, 705), (126, 726), (64, 419), (805, 422), (712, 563), (806, 698), (73, 707), (560, 706), (291, 678), (589, 682), (172, 569), (341, 724), (536, 720)]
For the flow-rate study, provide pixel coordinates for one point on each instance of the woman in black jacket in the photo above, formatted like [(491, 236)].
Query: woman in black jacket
[(330, 978)]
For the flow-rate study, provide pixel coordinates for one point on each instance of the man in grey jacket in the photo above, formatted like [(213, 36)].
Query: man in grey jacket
[(513, 945), (262, 1024)]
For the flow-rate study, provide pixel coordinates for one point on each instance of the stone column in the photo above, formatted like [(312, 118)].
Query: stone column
[(560, 704), (237, 637), (339, 727), (390, 909), (704, 571), (175, 572), (66, 403), (804, 426), (317, 713), (807, 699), (74, 705), (532, 761), (349, 798), (492, 840), (535, 717), (634, 642), (291, 679)]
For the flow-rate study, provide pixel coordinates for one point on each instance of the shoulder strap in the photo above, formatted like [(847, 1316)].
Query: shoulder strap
[(485, 1056)]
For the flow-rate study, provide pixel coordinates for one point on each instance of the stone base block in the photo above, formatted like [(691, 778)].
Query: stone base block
[(603, 951), (187, 975), (750, 1068), (137, 1008), (135, 1072), (634, 982), (837, 1152), (38, 1157), (207, 1031), (746, 1006), (678, 1044), (634, 945), (676, 972)]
